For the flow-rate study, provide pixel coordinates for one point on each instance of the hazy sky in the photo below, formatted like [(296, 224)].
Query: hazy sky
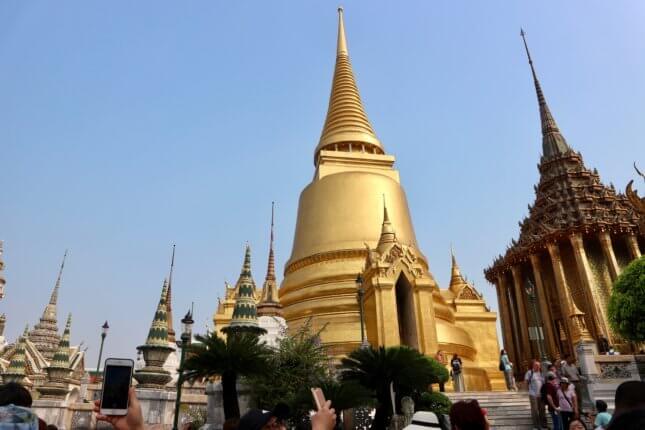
[(128, 126)]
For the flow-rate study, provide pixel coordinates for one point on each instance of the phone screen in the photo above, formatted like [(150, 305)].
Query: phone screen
[(116, 384)]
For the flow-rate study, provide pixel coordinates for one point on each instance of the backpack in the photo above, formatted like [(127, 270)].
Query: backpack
[(501, 365), (543, 394)]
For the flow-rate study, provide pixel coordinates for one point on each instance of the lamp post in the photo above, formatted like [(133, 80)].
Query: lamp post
[(186, 335), (104, 331), (538, 333), (360, 297)]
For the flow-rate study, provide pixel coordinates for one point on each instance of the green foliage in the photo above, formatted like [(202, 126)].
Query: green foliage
[(211, 355), (298, 363), (241, 354), (375, 369), (627, 302), (434, 402)]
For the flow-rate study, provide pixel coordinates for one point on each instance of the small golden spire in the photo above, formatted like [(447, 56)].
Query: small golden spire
[(346, 122), (341, 48)]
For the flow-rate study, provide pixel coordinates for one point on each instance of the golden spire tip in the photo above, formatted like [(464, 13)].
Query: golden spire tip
[(342, 40)]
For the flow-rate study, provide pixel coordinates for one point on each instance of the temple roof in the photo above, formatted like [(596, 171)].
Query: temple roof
[(568, 198), (158, 333), (245, 312), (346, 121)]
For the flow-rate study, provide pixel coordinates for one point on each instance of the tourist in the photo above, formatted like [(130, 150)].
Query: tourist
[(18, 417), (457, 374), (570, 371), (552, 401), (506, 366), (15, 394), (257, 419), (132, 420), (534, 382), (552, 370), (612, 351), (630, 396), (568, 402), (468, 415), (630, 420), (441, 358), (603, 417), (576, 424)]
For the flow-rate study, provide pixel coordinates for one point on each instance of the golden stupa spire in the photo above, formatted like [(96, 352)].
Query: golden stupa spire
[(347, 127), (457, 282), (388, 235), (553, 142), (269, 301)]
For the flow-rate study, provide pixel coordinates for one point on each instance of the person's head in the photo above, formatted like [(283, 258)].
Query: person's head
[(601, 406), (502, 352), (564, 383), (552, 368), (630, 395), (455, 356), (15, 394), (569, 359), (256, 419), (577, 424), (535, 365), (550, 377), (467, 415), (629, 420)]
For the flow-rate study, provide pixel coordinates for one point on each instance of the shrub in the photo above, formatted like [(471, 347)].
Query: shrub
[(627, 303), (434, 402)]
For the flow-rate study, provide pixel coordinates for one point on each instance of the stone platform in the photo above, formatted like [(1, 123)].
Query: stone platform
[(507, 410)]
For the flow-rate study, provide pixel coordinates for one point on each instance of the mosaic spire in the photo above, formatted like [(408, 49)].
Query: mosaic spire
[(457, 281), (346, 120), (16, 370), (270, 303), (171, 329), (553, 142), (244, 313), (45, 333), (2, 279), (158, 334), (61, 357)]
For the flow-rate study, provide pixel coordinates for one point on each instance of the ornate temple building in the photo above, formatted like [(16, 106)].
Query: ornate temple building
[(577, 237), (344, 230), (42, 359), (245, 306)]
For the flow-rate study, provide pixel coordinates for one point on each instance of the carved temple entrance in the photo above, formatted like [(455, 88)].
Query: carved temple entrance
[(405, 312)]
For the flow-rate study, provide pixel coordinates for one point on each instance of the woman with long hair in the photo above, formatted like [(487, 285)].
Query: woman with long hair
[(506, 366), (457, 374)]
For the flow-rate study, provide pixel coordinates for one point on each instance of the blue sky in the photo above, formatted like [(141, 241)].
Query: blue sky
[(128, 126)]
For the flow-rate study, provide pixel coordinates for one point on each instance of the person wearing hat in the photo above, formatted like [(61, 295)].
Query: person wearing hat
[(568, 402), (257, 419)]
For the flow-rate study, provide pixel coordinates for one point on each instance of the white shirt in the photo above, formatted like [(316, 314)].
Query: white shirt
[(535, 383)]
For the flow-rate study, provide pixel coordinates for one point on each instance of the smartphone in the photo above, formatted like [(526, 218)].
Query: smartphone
[(117, 377), (319, 397)]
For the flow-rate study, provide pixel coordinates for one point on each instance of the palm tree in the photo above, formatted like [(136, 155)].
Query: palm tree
[(375, 369), (241, 354)]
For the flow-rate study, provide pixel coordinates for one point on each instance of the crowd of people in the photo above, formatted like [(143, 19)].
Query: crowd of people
[(556, 392)]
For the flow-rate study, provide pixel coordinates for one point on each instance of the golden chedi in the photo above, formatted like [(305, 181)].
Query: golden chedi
[(354, 218)]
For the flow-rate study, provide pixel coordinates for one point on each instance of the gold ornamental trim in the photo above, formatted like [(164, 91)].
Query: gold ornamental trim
[(341, 254)]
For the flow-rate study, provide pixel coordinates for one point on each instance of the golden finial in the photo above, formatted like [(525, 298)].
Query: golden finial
[(342, 40)]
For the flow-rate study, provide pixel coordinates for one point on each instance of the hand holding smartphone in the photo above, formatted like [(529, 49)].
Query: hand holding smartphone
[(117, 377), (319, 398)]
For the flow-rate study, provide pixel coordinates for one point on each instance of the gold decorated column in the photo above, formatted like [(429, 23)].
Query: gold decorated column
[(545, 310), (592, 294), (522, 314), (507, 325), (567, 305), (608, 250), (632, 244)]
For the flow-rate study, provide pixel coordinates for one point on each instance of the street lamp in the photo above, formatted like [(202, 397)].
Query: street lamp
[(360, 296), (537, 330), (104, 331), (186, 335)]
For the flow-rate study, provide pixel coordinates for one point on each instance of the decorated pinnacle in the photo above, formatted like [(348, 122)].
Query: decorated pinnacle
[(61, 357), (270, 303), (2, 279), (346, 121), (50, 310), (388, 234), (553, 143), (158, 334), (171, 329), (18, 360), (457, 281), (245, 312)]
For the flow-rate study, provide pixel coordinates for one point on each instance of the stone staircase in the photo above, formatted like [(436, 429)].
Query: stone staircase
[(507, 410)]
